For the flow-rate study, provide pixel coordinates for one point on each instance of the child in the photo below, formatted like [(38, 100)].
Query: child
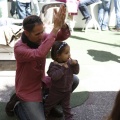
[(115, 114), (61, 71)]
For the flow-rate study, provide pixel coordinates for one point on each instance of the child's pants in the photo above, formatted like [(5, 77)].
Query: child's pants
[(56, 97)]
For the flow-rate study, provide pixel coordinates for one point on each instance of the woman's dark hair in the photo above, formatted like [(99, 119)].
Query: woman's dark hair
[(57, 48), (115, 114), (30, 22)]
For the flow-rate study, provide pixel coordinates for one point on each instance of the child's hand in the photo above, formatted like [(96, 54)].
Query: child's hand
[(72, 62), (65, 65)]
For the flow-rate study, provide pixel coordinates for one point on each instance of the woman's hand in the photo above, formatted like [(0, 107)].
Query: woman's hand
[(59, 18)]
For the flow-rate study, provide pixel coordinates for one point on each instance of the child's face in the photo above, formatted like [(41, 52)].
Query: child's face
[(65, 55)]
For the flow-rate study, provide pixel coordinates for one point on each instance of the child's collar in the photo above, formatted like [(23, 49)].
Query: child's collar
[(61, 64)]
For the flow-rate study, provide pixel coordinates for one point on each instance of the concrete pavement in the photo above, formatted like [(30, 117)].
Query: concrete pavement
[(99, 58)]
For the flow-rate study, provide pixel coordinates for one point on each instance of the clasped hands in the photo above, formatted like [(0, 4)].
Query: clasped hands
[(71, 61), (59, 17)]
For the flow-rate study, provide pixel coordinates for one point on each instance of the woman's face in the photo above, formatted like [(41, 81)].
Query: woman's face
[(65, 55), (37, 34)]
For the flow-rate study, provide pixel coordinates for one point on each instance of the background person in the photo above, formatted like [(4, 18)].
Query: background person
[(103, 14), (23, 8), (117, 12), (36, 7), (84, 9), (13, 8)]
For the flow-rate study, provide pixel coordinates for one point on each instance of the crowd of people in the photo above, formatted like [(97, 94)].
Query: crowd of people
[(23, 9), (103, 12), (37, 95)]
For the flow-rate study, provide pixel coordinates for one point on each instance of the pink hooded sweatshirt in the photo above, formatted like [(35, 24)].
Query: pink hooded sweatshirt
[(31, 66)]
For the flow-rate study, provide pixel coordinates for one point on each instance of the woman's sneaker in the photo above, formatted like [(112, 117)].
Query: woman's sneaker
[(10, 105)]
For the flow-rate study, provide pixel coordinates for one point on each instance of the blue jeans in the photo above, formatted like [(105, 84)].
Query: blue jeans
[(30, 111), (83, 7), (103, 13), (35, 110), (13, 8), (117, 11), (23, 9)]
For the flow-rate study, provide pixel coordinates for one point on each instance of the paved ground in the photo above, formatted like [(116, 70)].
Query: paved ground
[(99, 58)]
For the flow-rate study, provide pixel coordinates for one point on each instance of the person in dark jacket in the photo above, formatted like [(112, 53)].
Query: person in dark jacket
[(61, 71)]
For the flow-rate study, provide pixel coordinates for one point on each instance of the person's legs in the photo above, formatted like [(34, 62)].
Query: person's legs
[(30, 111), (107, 5), (51, 101), (83, 7), (21, 9), (18, 111), (13, 8), (28, 9), (36, 7), (117, 11), (55, 111), (75, 82), (66, 106), (101, 13)]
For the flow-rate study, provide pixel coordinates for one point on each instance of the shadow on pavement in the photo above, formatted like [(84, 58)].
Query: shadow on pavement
[(103, 56)]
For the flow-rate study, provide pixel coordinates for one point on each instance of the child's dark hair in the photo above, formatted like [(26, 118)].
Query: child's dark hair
[(30, 22), (115, 114), (57, 48)]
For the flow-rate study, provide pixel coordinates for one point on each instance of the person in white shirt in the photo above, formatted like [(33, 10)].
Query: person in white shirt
[(23, 8), (36, 7)]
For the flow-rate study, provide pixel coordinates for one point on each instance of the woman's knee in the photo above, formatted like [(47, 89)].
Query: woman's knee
[(20, 113), (75, 82), (30, 111)]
